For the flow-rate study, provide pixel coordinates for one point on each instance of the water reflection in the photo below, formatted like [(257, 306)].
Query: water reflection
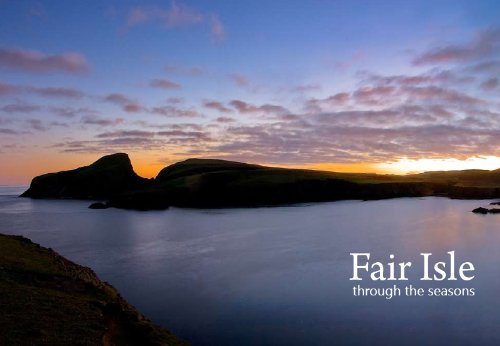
[(279, 276)]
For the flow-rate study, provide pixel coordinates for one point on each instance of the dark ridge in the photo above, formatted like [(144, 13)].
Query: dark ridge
[(198, 166), (207, 183), (108, 176)]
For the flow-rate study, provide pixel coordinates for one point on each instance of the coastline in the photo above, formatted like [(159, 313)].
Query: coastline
[(47, 299)]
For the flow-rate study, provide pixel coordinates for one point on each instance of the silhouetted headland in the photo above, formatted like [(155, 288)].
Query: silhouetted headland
[(208, 183)]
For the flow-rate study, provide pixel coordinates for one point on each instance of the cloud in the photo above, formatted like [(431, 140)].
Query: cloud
[(438, 113), (61, 92), (490, 84), (244, 82), (52, 92), (303, 88), (99, 121), (177, 15), (491, 66), (69, 112), (193, 71), (20, 107), (4, 131), (127, 104), (36, 124), (126, 133), (216, 105), (175, 112), (244, 107), (175, 100), (239, 79), (164, 84), (217, 29), (373, 95), (177, 136), (484, 44), (225, 120), (317, 105), (183, 135), (7, 89), (37, 62)]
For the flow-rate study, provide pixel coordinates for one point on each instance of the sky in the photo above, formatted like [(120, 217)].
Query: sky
[(366, 86)]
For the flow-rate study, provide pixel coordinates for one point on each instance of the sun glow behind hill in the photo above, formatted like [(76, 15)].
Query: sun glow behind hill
[(405, 166)]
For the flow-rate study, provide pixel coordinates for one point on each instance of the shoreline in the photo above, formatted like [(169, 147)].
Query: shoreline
[(47, 299)]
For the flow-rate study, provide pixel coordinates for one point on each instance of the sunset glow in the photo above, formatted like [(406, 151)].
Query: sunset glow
[(164, 81), (425, 165)]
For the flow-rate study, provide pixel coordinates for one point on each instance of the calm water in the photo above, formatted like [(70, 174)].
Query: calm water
[(279, 276)]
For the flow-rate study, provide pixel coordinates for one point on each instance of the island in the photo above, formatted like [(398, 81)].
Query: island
[(46, 299), (212, 183)]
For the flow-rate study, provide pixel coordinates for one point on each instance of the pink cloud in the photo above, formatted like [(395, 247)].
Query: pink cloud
[(56, 92), (164, 84), (170, 111), (95, 120), (225, 120), (305, 88), (177, 15), (217, 29), (239, 79), (6, 89), (127, 104), (218, 106), (485, 43), (20, 107), (59, 92), (36, 62), (244, 107)]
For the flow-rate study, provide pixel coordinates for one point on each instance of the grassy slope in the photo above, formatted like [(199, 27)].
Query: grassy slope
[(46, 299)]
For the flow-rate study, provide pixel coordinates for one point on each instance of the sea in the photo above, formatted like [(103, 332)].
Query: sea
[(281, 275)]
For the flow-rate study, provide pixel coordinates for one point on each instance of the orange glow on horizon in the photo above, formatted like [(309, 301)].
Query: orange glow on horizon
[(405, 166), (20, 168)]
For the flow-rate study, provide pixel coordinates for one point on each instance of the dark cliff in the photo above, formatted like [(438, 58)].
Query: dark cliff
[(108, 176), (206, 183)]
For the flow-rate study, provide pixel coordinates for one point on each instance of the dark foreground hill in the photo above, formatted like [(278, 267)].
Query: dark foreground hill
[(47, 300), (218, 183)]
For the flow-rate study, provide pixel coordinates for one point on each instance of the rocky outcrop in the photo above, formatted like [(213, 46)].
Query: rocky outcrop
[(98, 205), (108, 176), (480, 210), (49, 300), (485, 211)]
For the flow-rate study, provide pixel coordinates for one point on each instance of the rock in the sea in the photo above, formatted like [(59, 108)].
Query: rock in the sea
[(494, 211), (495, 203), (98, 205), (480, 211)]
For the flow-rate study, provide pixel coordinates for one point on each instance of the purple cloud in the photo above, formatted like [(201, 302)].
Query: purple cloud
[(485, 43), (127, 104), (20, 107), (95, 120), (36, 62), (170, 111), (216, 105), (164, 84), (217, 29), (177, 15), (56, 92)]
